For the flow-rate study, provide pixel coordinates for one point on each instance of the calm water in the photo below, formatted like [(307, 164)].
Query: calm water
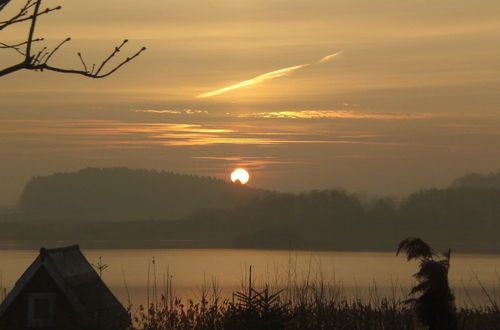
[(357, 273)]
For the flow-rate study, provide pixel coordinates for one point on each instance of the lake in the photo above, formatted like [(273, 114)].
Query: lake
[(359, 275)]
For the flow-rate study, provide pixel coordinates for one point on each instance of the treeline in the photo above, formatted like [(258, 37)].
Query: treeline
[(477, 180), (467, 219), (464, 218), (116, 194)]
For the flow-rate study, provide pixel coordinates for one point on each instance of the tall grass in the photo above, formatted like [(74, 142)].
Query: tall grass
[(291, 303)]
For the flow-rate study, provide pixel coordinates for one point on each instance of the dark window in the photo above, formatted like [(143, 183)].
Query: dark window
[(41, 309)]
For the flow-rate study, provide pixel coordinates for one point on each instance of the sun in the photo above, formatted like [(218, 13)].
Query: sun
[(240, 175)]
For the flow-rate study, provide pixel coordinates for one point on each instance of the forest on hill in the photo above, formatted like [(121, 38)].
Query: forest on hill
[(465, 218), (118, 194)]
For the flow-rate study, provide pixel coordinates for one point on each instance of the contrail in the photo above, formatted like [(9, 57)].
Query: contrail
[(266, 76), (329, 57)]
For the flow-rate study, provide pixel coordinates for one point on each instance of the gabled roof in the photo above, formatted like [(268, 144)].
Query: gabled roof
[(78, 281)]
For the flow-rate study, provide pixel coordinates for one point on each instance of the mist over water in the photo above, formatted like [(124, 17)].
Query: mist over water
[(357, 275)]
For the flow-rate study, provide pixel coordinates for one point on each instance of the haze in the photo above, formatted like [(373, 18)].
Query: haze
[(411, 102)]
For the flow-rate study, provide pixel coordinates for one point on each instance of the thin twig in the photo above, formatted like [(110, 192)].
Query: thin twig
[(41, 59), (56, 49), (39, 62), (37, 57), (83, 62), (18, 19), (117, 49), (128, 59), (4, 45), (22, 12)]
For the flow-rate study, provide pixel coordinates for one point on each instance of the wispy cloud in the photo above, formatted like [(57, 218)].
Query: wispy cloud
[(266, 76), (173, 112), (329, 57), (253, 163), (303, 114), (337, 114), (72, 135)]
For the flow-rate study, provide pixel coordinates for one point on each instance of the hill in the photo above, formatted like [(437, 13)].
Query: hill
[(209, 213), (117, 194)]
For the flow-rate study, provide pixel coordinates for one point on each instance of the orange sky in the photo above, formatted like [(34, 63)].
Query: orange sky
[(411, 101)]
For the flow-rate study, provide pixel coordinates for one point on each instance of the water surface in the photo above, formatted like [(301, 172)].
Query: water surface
[(358, 274)]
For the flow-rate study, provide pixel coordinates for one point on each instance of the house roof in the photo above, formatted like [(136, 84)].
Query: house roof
[(78, 281)]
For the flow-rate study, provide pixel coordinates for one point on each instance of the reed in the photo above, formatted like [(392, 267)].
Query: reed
[(290, 303)]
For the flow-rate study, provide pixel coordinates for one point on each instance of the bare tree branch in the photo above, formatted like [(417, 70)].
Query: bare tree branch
[(83, 62), (17, 46), (29, 42), (3, 3), (57, 48), (85, 72), (30, 11), (4, 45), (23, 16), (117, 49)]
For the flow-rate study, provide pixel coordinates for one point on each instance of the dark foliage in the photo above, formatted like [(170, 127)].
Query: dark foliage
[(434, 303), (275, 312), (92, 204), (125, 194), (476, 180), (287, 308), (415, 248)]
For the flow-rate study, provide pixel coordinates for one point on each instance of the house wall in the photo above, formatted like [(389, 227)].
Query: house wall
[(16, 316)]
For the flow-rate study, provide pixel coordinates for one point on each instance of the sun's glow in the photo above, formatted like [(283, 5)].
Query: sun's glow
[(240, 175)]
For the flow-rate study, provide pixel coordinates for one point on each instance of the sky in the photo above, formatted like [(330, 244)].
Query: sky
[(386, 97)]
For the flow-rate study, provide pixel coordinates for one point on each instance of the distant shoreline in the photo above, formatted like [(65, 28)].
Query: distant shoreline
[(33, 245)]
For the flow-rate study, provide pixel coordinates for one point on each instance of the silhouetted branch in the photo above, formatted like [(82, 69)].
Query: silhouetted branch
[(117, 49), (39, 62), (83, 62), (23, 14), (29, 42), (3, 3), (39, 55), (85, 72), (4, 45), (56, 49)]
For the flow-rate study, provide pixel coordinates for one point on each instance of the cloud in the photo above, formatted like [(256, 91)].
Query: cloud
[(253, 163), (267, 76), (337, 114), (76, 135), (329, 57), (172, 112)]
